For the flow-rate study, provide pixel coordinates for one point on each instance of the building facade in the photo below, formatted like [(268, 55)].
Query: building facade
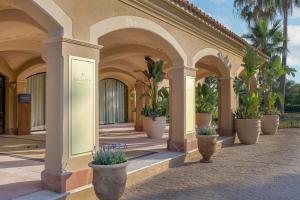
[(78, 59)]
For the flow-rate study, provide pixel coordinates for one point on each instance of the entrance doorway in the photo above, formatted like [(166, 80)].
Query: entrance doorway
[(2, 104), (113, 98)]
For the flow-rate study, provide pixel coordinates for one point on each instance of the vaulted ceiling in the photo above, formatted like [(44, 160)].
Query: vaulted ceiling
[(21, 39)]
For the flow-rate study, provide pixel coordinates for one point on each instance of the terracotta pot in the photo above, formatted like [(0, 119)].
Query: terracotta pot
[(207, 146), (248, 130), (203, 119), (109, 181), (155, 129), (269, 124)]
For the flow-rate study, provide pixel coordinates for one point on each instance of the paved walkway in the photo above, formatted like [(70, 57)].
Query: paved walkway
[(19, 176), (267, 170)]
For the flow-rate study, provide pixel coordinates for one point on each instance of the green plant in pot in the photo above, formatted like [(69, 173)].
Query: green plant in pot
[(206, 100), (247, 122), (155, 110), (269, 74), (109, 171), (207, 142)]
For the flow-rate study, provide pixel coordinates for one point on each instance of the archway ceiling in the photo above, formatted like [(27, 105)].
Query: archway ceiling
[(133, 45), (20, 37), (128, 65), (210, 65), (5, 5)]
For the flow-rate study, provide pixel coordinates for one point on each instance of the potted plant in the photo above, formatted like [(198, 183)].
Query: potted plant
[(269, 74), (270, 119), (207, 142), (247, 122), (154, 121), (206, 98), (109, 172)]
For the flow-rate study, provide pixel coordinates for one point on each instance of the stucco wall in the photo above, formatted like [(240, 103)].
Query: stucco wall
[(85, 13)]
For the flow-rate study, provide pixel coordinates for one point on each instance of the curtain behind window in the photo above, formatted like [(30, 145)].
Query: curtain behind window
[(36, 86), (113, 101)]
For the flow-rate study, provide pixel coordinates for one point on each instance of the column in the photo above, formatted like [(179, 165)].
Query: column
[(227, 98), (139, 88), (11, 103), (71, 113), (182, 109)]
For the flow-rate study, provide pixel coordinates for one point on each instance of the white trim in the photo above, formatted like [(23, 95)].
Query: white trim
[(56, 13)]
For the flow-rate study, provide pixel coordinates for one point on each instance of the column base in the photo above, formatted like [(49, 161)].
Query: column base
[(11, 131), (189, 144), (225, 132), (138, 128), (66, 181)]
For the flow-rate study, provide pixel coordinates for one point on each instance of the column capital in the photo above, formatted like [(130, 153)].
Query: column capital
[(73, 41), (187, 71), (182, 68)]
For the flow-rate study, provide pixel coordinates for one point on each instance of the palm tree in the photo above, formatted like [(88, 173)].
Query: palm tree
[(284, 7), (253, 10), (266, 39)]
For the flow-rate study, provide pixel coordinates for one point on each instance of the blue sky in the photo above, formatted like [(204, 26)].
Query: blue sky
[(223, 11)]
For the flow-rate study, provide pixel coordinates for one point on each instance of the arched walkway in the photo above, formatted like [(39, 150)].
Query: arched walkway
[(132, 22), (211, 62)]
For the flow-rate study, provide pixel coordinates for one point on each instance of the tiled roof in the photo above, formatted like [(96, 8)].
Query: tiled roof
[(189, 7)]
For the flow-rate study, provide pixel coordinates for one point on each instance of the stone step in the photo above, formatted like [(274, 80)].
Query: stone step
[(138, 170)]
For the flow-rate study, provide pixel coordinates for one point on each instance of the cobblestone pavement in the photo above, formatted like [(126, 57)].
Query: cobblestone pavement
[(269, 170)]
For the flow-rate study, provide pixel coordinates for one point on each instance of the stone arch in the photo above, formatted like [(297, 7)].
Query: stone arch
[(29, 71), (48, 15), (224, 69), (119, 74), (6, 71), (126, 50), (125, 22), (239, 71)]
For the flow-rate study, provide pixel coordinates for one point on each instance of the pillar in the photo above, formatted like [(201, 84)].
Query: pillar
[(11, 122), (227, 106), (182, 109), (139, 88), (71, 113)]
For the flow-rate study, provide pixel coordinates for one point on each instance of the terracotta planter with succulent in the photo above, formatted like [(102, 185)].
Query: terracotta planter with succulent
[(207, 143), (155, 111), (109, 172)]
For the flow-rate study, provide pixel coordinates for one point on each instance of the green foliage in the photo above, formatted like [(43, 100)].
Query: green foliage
[(292, 96), (265, 38), (206, 131), (245, 89), (109, 156), (206, 96), (153, 76), (269, 74), (254, 10), (163, 102)]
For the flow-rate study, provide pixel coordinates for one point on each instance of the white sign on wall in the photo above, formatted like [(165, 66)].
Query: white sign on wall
[(82, 106)]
